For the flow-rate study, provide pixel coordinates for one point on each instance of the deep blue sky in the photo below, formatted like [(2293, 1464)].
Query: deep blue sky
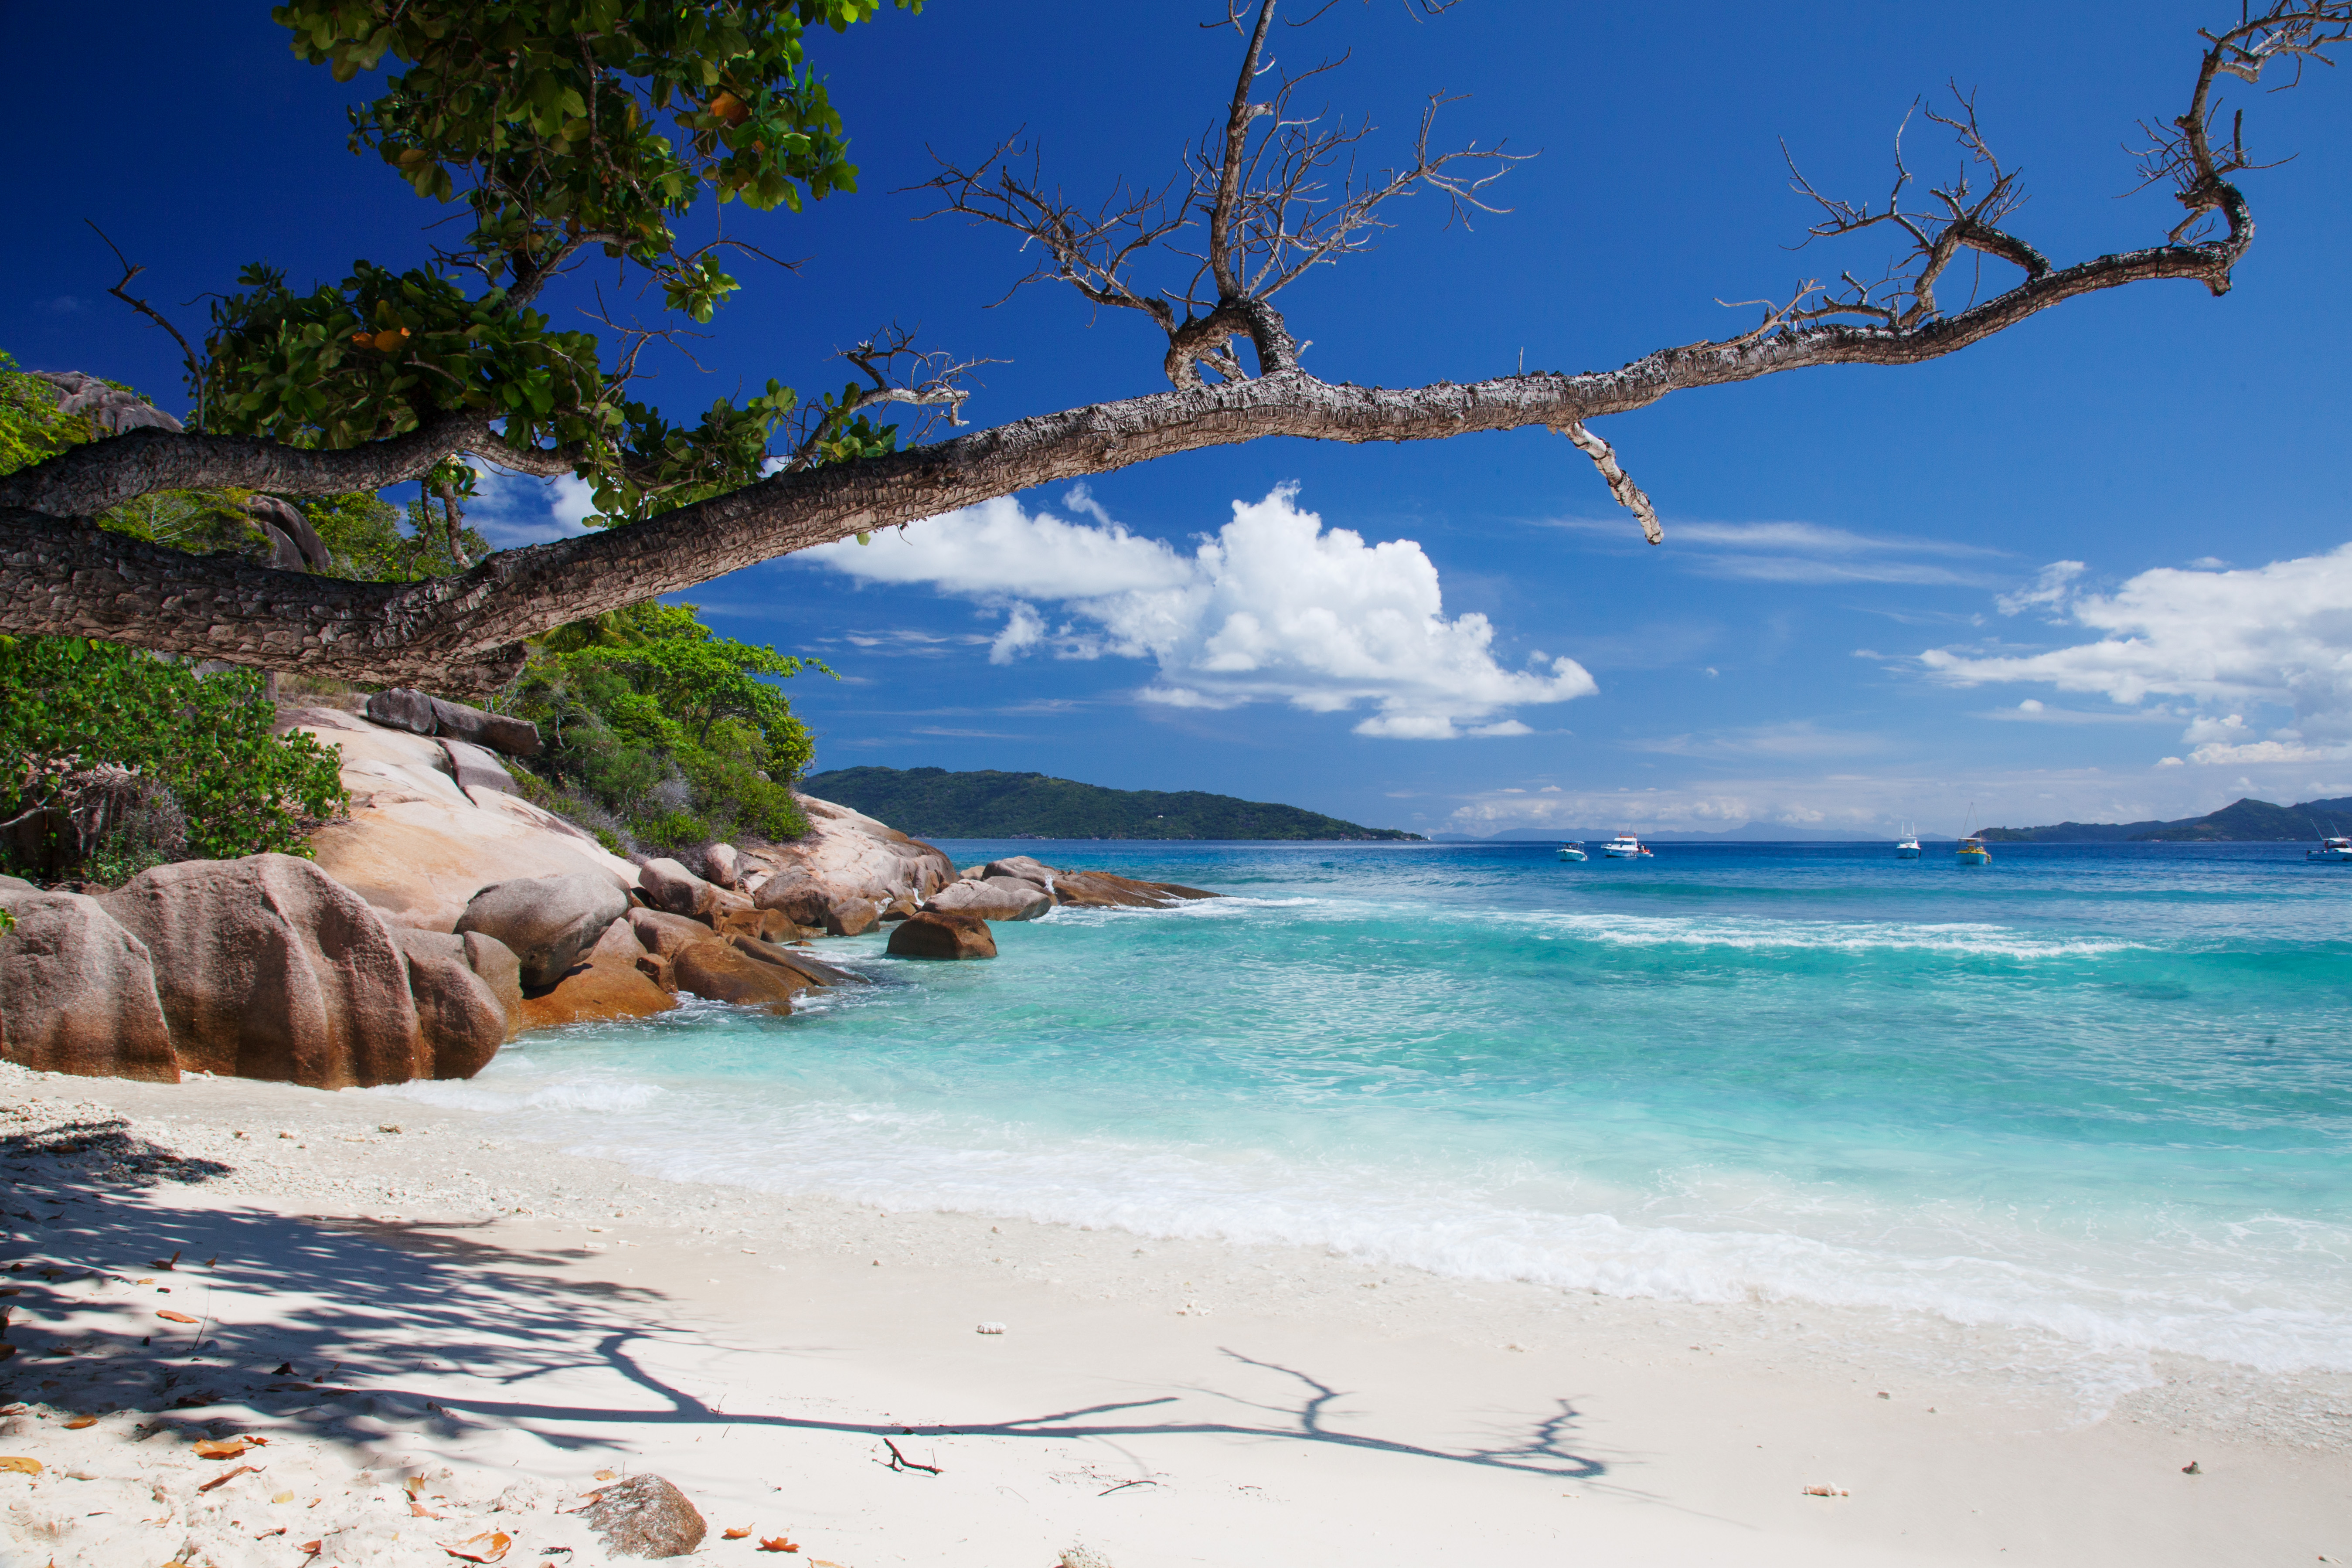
[(1741, 673)]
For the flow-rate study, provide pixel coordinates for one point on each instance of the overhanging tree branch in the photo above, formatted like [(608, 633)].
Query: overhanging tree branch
[(60, 574)]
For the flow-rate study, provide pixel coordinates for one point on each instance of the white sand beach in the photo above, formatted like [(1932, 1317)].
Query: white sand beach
[(444, 1335)]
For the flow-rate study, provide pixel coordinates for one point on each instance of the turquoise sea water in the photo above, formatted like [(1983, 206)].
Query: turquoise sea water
[(2101, 1092)]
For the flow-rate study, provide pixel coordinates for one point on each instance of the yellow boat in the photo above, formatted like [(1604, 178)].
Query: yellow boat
[(1972, 852)]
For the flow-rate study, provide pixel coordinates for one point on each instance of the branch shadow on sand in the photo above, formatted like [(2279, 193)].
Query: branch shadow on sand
[(320, 1326)]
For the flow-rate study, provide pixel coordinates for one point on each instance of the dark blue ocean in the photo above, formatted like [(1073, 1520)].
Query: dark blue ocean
[(2101, 1092)]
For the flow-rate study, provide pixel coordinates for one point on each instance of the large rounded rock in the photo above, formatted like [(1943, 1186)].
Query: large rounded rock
[(669, 887), (269, 968), (515, 737), (796, 897), (613, 984), (716, 971), (934, 933), (644, 1516), (852, 917), (496, 967), (548, 922), (663, 933), (457, 1013), (997, 899), (817, 971), (78, 992)]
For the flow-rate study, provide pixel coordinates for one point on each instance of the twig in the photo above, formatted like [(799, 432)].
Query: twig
[(131, 269), (899, 1461), (1124, 1485)]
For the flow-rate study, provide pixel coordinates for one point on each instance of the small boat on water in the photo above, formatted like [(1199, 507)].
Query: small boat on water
[(2331, 850), (1971, 850), (1572, 852), (1625, 846), (1907, 849)]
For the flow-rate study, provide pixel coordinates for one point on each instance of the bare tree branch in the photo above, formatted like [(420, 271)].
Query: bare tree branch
[(1267, 187), (930, 380), (121, 291), (1630, 496)]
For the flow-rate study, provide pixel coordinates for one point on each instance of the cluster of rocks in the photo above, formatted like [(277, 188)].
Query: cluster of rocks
[(445, 913), (264, 967)]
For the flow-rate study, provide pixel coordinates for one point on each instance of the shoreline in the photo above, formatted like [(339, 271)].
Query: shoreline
[(506, 1307)]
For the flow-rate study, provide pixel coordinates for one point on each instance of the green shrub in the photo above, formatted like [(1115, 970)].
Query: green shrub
[(661, 735), (232, 788)]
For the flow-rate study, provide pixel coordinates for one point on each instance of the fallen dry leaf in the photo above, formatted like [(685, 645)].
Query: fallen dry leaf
[(418, 1510), (415, 1485), (225, 1477), (734, 1535), (1825, 1491), (267, 1533), (282, 1497), (171, 1317), (777, 1543), (487, 1547), (79, 1421), (223, 1448), (22, 1466), (604, 1475), (161, 1263), (313, 1547)]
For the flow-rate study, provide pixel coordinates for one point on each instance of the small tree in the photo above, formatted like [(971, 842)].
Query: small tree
[(566, 127)]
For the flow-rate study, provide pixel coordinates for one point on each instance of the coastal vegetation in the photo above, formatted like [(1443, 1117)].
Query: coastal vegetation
[(568, 133), (935, 804), (659, 734)]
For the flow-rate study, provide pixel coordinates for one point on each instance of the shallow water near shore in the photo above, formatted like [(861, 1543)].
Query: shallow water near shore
[(2100, 1094)]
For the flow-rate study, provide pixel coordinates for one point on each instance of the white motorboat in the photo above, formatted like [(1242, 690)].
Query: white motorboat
[(1572, 852), (2331, 850), (1908, 848), (1625, 846)]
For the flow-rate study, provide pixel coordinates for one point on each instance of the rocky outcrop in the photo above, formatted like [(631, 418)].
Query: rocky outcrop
[(477, 768), (269, 968), (933, 933), (549, 923), (721, 973), (668, 885), (644, 1516), (422, 714), (844, 855), (994, 899), (457, 1013), (78, 992), (613, 981), (419, 844)]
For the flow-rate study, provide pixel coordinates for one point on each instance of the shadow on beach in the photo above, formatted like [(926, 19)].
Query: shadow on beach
[(325, 1326)]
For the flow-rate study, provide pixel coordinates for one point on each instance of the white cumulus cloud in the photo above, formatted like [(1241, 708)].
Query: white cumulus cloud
[(2219, 642), (1274, 607)]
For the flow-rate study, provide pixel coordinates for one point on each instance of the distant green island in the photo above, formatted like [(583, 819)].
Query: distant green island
[(932, 803), (2247, 821)]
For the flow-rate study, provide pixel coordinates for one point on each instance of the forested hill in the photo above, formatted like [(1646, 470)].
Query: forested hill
[(2240, 822), (932, 803)]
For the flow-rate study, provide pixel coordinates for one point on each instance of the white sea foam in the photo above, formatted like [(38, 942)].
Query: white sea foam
[(1963, 938), (2244, 1301)]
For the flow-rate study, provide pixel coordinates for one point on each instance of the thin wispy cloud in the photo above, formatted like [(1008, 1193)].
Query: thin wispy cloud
[(1812, 552)]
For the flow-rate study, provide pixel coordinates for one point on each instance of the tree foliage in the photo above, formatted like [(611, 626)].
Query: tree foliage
[(73, 702), (663, 733)]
